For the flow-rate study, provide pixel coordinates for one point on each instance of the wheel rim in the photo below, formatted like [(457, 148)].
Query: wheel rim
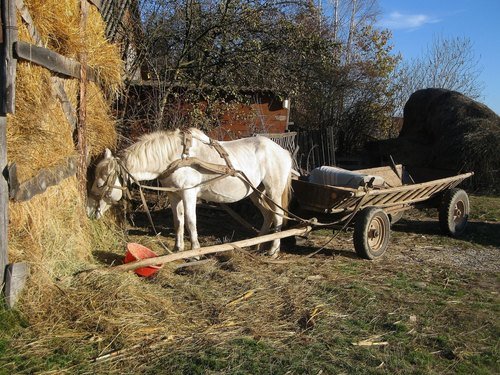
[(459, 212), (376, 233)]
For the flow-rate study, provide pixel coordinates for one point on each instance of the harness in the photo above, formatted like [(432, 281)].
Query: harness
[(222, 171)]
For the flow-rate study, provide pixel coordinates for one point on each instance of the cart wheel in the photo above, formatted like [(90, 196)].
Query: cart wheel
[(372, 231), (454, 212)]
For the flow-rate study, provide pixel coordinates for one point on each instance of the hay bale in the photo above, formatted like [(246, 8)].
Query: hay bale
[(51, 231), (445, 129)]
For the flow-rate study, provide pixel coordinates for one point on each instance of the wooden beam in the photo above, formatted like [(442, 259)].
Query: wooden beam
[(44, 179), (96, 3), (26, 17), (51, 60), (213, 249), (4, 201), (8, 35), (16, 275), (9, 62), (67, 107), (81, 128)]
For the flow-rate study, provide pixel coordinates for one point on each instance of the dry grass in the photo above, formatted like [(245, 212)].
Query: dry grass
[(238, 315), (58, 21), (101, 125), (38, 135), (51, 231)]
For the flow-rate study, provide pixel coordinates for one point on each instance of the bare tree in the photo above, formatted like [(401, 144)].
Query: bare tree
[(448, 63)]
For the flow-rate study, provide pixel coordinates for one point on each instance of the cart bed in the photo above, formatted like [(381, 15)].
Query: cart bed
[(398, 196)]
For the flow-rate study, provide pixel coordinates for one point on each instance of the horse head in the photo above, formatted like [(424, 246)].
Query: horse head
[(107, 187)]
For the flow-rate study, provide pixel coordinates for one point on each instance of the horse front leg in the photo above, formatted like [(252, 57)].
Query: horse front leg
[(178, 214)]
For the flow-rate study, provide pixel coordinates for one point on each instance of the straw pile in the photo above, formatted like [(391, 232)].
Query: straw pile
[(51, 231), (88, 314)]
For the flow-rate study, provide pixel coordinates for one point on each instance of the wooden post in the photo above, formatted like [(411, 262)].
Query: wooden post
[(301, 231), (8, 63), (82, 107), (4, 201), (8, 36)]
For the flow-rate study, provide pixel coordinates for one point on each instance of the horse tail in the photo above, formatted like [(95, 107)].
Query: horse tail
[(286, 197)]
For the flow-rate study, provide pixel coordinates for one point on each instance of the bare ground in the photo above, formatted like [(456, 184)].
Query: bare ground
[(415, 239)]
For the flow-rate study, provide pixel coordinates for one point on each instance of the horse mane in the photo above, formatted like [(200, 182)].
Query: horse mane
[(156, 150), (153, 151)]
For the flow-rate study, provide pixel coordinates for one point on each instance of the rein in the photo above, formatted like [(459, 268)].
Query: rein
[(222, 171)]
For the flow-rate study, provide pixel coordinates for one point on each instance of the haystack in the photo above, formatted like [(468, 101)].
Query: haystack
[(51, 231), (447, 130)]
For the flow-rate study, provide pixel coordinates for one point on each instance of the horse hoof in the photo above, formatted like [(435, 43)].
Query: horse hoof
[(274, 254)]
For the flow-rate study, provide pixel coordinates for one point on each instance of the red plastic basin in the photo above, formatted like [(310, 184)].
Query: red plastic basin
[(136, 252)]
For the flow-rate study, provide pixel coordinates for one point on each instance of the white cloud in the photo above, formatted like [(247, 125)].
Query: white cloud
[(397, 20)]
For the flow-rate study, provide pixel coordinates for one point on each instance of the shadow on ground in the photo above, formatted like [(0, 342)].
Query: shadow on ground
[(477, 232)]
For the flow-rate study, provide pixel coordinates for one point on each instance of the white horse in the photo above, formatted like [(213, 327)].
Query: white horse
[(193, 166)]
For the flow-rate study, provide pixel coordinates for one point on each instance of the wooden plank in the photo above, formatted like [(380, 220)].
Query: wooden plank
[(81, 127), (16, 275), (44, 179), (4, 201), (7, 105), (96, 3), (213, 249), (9, 62), (454, 179), (26, 17), (52, 60), (387, 173), (67, 107)]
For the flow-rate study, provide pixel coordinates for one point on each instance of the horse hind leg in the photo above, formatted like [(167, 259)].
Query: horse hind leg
[(178, 214), (271, 219), (189, 201), (275, 213)]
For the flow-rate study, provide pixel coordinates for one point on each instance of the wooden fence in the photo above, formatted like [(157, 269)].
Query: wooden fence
[(316, 148), (11, 49)]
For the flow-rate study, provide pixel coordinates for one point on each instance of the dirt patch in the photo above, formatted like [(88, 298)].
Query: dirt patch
[(415, 239)]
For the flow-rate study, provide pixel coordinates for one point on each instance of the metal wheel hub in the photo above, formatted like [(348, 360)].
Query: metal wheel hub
[(376, 233), (459, 212)]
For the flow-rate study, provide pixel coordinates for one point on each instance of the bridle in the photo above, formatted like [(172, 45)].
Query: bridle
[(105, 191)]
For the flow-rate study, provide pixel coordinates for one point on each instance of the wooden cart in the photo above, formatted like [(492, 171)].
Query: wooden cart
[(375, 209)]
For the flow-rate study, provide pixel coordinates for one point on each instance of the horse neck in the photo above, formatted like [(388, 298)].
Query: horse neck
[(148, 158)]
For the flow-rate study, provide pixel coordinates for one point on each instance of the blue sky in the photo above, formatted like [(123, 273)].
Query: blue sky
[(415, 23)]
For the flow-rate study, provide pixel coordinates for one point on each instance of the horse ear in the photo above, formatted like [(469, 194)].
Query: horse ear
[(107, 154)]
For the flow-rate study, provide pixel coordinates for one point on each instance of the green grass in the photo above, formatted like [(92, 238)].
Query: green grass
[(485, 208), (431, 318)]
